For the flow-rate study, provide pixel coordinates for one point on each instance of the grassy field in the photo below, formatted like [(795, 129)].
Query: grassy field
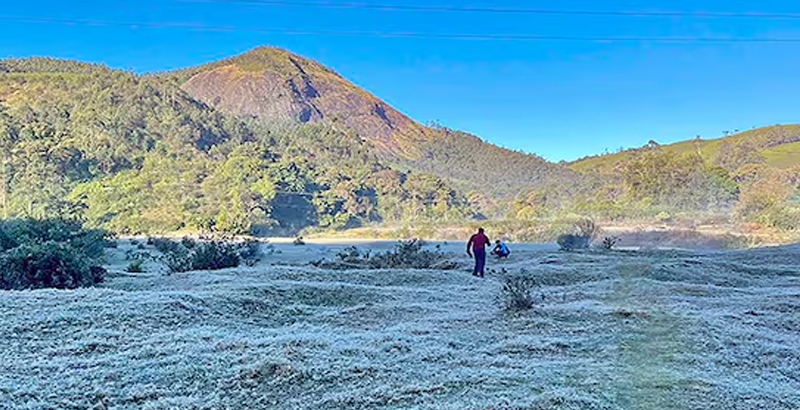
[(610, 330)]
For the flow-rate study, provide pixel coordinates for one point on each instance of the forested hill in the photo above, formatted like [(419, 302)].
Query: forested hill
[(276, 86), (139, 155)]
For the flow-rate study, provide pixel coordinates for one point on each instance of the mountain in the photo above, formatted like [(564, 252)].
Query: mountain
[(776, 146), (276, 86)]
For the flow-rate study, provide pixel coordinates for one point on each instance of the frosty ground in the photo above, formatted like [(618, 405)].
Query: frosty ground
[(610, 330)]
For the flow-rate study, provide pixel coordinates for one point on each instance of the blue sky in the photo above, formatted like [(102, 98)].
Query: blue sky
[(558, 99)]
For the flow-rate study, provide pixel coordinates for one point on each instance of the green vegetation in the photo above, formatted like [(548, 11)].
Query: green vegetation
[(207, 254), (49, 254), (409, 254)]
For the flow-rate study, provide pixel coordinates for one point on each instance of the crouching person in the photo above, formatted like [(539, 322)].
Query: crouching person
[(500, 250)]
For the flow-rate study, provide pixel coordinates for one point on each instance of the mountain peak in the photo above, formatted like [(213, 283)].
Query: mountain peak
[(275, 85), (268, 58)]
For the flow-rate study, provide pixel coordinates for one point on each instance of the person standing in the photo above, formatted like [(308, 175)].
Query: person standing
[(477, 245)]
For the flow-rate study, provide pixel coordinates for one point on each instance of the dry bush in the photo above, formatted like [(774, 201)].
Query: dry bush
[(609, 242), (586, 230), (516, 292)]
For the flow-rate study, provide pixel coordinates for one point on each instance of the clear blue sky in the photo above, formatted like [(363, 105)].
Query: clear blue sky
[(561, 100)]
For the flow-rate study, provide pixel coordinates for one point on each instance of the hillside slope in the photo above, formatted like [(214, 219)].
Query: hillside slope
[(777, 146), (274, 85)]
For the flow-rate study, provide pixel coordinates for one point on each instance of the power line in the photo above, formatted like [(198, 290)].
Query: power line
[(497, 10), (399, 34)]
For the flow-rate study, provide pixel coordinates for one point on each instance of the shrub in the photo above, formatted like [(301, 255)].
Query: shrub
[(165, 246), (571, 242), (299, 241), (250, 252), (351, 254), (47, 265), (90, 242), (406, 255), (50, 254), (609, 242), (214, 255), (136, 266), (586, 230), (516, 293), (207, 254), (188, 242)]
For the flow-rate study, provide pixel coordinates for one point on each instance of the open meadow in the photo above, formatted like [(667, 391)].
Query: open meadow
[(646, 329)]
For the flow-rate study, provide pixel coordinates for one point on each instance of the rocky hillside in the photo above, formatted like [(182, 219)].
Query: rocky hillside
[(274, 85)]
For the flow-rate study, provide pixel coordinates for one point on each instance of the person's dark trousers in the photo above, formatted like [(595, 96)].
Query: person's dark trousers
[(480, 262)]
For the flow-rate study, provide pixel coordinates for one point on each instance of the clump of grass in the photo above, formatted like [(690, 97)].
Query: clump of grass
[(299, 241)]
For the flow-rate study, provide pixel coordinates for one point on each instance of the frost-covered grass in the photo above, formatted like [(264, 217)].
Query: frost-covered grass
[(609, 330)]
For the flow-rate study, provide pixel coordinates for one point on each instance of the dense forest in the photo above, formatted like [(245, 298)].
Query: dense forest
[(138, 155), (142, 154)]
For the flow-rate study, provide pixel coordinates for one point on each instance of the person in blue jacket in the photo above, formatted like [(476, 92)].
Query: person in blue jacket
[(500, 250)]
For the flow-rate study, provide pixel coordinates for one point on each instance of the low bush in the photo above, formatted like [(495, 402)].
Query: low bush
[(516, 293), (250, 252), (411, 255), (214, 255), (90, 242), (135, 266), (299, 241), (164, 245), (571, 242), (609, 242), (47, 265), (586, 230), (55, 253), (406, 255), (207, 254)]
